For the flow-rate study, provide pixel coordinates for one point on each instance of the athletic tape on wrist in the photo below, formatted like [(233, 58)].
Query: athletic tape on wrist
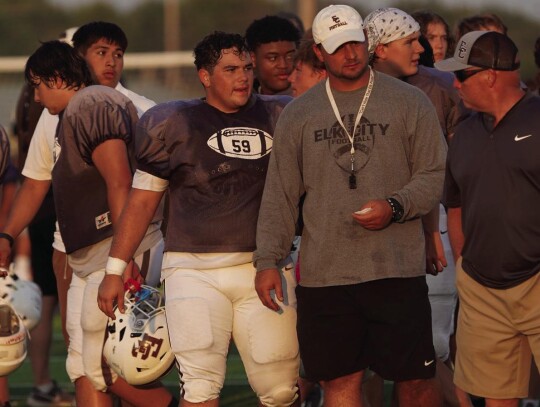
[(115, 266)]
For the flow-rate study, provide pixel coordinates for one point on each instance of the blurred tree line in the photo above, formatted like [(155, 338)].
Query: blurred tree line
[(23, 23)]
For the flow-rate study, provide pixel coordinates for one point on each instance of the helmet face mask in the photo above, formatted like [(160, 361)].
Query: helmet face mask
[(13, 340), (143, 306), (137, 346)]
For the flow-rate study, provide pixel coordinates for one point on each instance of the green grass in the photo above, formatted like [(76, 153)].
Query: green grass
[(236, 392)]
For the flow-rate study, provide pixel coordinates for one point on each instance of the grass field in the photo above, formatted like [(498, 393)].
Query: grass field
[(236, 392)]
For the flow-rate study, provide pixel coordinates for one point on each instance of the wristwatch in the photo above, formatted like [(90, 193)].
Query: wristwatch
[(397, 209)]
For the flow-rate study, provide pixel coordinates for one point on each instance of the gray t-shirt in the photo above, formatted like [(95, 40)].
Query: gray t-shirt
[(400, 153)]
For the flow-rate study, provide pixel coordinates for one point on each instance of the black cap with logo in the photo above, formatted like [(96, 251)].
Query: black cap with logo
[(483, 49)]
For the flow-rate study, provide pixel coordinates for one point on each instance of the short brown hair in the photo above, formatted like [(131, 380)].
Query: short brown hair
[(480, 22), (306, 55)]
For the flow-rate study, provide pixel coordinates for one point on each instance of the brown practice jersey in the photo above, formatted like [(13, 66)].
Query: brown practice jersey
[(94, 115), (216, 165)]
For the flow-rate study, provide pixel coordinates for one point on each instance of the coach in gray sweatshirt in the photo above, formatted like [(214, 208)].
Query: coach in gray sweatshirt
[(367, 153)]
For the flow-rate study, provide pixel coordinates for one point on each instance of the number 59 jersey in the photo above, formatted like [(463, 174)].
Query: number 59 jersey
[(215, 164)]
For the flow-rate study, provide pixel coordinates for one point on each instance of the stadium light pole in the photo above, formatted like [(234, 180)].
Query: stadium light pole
[(171, 36), (171, 25), (307, 10)]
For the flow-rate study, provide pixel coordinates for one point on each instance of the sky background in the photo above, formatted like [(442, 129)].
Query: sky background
[(528, 7)]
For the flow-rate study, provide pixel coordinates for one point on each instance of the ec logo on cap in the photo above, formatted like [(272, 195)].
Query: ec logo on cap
[(337, 22), (462, 49)]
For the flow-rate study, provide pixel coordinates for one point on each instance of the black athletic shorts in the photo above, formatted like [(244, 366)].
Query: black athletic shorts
[(384, 325), (41, 238)]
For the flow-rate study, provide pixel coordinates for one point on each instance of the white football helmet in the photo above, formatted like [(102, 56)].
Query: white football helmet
[(13, 340), (137, 346), (24, 296)]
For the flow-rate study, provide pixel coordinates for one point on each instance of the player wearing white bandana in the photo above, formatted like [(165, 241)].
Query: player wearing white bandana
[(394, 49), (369, 164)]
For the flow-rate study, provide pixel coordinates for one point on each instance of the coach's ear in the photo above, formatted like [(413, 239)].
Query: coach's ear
[(317, 51), (204, 77)]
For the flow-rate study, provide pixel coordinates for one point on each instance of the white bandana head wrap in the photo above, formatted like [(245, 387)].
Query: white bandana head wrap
[(388, 24)]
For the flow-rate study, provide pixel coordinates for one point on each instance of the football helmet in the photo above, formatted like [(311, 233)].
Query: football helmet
[(137, 345), (25, 298), (13, 340)]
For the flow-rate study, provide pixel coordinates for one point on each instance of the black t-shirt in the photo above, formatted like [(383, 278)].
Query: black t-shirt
[(493, 174)]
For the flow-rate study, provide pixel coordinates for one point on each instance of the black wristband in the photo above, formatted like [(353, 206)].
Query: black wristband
[(397, 209), (8, 237)]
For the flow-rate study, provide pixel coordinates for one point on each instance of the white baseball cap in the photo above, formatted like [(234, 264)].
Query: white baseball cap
[(335, 25), (67, 36)]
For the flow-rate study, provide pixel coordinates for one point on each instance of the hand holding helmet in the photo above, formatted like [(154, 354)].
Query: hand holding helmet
[(137, 346)]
